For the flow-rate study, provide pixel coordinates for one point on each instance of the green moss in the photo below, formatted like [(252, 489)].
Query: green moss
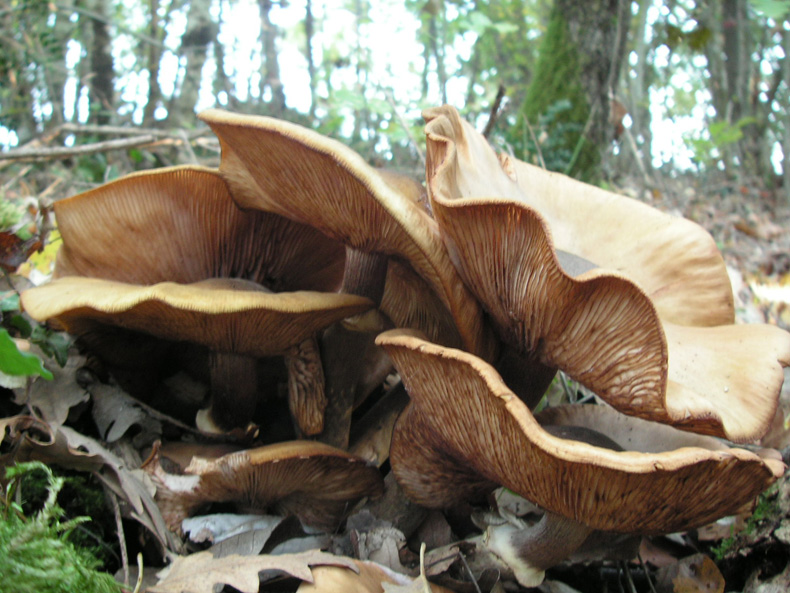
[(37, 554), (767, 508), (556, 109)]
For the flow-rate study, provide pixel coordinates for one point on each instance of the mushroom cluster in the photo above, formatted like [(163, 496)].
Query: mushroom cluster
[(296, 248)]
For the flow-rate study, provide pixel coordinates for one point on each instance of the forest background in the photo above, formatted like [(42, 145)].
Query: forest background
[(597, 89)]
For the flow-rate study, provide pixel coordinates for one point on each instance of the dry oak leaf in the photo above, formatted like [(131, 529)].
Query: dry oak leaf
[(198, 573)]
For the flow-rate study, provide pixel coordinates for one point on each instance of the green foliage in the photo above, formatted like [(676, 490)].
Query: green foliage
[(767, 508), (707, 150), (15, 362), (556, 102), (773, 9), (36, 553)]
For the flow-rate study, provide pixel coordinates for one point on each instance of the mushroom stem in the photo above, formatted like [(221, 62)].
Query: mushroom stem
[(344, 353), (530, 551), (306, 398), (365, 274), (347, 349), (234, 392)]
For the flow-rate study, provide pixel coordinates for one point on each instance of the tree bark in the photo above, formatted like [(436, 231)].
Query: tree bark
[(153, 59), (200, 32), (579, 63), (270, 68), (309, 25), (102, 93)]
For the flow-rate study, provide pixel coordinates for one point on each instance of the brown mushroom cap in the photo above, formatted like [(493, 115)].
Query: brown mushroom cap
[(315, 482), (464, 426), (284, 168), (675, 261), (612, 331), (179, 224), (226, 315)]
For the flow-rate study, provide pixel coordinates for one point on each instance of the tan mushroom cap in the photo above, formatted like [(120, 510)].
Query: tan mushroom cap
[(179, 224), (471, 427), (281, 167), (600, 325), (675, 261), (215, 313), (315, 482)]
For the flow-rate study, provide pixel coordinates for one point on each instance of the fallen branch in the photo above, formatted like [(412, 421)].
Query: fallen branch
[(62, 152)]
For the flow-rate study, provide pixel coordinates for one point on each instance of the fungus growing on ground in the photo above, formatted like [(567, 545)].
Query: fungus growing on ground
[(394, 256), (317, 483), (277, 166), (179, 226), (236, 320), (633, 303), (464, 433)]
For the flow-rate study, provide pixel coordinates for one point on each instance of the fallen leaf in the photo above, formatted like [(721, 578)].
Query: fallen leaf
[(693, 574), (198, 573), (36, 440), (52, 400), (115, 412)]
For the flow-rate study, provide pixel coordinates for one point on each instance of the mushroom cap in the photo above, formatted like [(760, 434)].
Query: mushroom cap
[(281, 167), (315, 482), (675, 261), (226, 315), (624, 332), (470, 426), (179, 224)]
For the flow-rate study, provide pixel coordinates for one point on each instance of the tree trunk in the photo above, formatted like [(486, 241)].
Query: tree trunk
[(639, 90), (270, 68), (786, 143), (309, 31), (577, 69), (153, 58), (200, 33), (102, 93)]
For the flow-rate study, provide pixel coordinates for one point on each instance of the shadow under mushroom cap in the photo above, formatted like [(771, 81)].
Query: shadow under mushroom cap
[(470, 425)]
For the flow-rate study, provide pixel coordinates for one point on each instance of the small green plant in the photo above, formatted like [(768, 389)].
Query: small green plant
[(766, 508), (708, 150), (36, 554)]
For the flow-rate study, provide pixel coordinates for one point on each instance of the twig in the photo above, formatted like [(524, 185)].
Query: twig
[(647, 573), (404, 124), (538, 151), (72, 128), (188, 147), (7, 185), (61, 152), (121, 537), (628, 578), (469, 570), (494, 113), (114, 23), (139, 582)]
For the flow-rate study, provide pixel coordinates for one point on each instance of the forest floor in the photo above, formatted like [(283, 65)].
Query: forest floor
[(751, 225)]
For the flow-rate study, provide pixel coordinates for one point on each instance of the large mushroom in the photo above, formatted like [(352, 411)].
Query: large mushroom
[(394, 252), (464, 433), (237, 321), (169, 254), (277, 166), (317, 483), (633, 303)]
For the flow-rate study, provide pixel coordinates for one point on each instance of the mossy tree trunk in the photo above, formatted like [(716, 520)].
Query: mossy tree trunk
[(567, 106)]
